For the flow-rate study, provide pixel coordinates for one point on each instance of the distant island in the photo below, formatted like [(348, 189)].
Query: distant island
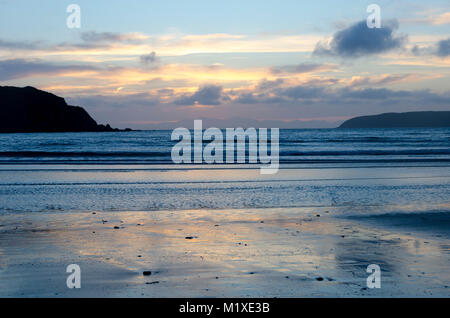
[(31, 110), (401, 120)]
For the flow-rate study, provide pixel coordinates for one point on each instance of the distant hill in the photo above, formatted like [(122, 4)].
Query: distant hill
[(31, 110), (400, 120)]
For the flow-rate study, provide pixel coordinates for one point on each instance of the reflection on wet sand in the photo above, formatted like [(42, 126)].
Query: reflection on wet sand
[(296, 252)]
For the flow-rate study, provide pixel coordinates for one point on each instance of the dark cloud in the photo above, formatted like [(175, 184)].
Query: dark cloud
[(380, 97), (302, 92), (248, 98), (373, 93), (328, 96), (443, 48), (207, 95), (359, 40), (267, 84), (19, 68), (149, 58), (300, 68), (307, 100)]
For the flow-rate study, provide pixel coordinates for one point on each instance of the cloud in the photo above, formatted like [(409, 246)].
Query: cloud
[(5, 44), (248, 98), (302, 92), (372, 93), (327, 95), (381, 80), (287, 103), (148, 58), (443, 48), (267, 84), (19, 68), (301, 68), (206, 95), (93, 36), (116, 101), (443, 18), (132, 44), (358, 40), (431, 18)]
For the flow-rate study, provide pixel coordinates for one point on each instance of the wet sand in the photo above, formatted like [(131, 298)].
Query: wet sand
[(283, 252)]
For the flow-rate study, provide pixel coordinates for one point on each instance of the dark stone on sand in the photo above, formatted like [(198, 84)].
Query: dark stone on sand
[(319, 279), (318, 215), (152, 283), (147, 273), (251, 273), (190, 237), (116, 227)]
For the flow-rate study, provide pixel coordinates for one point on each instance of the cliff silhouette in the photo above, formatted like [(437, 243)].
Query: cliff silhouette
[(401, 120), (31, 110)]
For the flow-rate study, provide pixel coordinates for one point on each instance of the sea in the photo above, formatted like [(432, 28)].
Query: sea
[(355, 171)]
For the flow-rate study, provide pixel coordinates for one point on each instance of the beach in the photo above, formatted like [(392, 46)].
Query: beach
[(114, 205), (315, 245), (221, 253)]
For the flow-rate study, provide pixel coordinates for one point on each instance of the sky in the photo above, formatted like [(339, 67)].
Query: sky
[(150, 64)]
